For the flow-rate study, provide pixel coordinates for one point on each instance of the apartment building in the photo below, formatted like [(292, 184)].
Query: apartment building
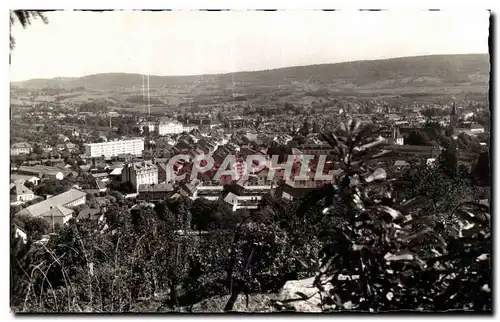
[(114, 148), (166, 127), (140, 173), (20, 148)]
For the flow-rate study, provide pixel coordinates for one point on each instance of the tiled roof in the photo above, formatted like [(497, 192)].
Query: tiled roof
[(57, 211), (144, 165), (21, 189), (160, 187), (42, 169), (21, 145), (61, 199), (100, 184), (116, 171)]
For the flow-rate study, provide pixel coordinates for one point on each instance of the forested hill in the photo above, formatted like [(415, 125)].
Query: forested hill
[(440, 70)]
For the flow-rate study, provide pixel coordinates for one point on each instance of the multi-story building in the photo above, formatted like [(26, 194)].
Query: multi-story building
[(166, 127), (139, 173), (20, 148), (114, 148)]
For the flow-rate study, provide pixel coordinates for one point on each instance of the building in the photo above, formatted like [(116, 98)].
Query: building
[(242, 202), (189, 127), (402, 151), (150, 126), (24, 178), (166, 127), (100, 185), (140, 173), (290, 192), (56, 210), (19, 229), (90, 214), (400, 165), (316, 149), (20, 148), (42, 171), (22, 193), (114, 148), (165, 173), (154, 192), (392, 135)]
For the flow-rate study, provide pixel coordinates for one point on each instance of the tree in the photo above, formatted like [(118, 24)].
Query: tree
[(417, 138), (35, 227), (448, 159), (405, 255), (203, 213), (24, 18), (123, 129), (37, 149), (482, 170), (19, 159), (29, 185), (430, 112)]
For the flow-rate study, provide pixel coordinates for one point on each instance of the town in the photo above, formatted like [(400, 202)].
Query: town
[(128, 157), (359, 185)]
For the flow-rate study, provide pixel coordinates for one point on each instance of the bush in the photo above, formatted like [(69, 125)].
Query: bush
[(399, 255)]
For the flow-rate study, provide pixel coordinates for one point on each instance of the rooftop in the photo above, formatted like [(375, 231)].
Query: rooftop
[(57, 211), (61, 199), (42, 169), (15, 177), (21, 189), (160, 187), (21, 145)]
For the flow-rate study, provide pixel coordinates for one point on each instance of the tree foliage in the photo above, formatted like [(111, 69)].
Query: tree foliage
[(415, 242), (391, 254)]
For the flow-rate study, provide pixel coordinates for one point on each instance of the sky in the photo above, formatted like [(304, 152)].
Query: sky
[(75, 44)]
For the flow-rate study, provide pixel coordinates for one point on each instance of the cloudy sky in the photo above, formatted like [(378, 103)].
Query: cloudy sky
[(192, 42)]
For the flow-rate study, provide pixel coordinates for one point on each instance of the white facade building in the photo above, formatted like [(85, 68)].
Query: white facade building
[(170, 127), (20, 148), (114, 148), (140, 173)]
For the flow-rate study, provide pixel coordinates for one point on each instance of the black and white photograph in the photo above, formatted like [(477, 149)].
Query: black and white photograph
[(257, 161)]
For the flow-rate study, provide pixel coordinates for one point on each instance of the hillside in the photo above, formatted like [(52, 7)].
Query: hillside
[(422, 71)]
